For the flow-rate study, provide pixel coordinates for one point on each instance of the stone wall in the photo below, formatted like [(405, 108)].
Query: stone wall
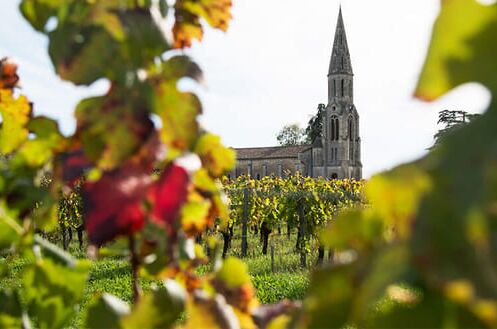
[(258, 168)]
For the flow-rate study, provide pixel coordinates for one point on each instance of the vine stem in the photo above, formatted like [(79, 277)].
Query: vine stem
[(135, 263)]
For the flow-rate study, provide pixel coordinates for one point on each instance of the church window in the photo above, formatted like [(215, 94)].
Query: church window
[(334, 87), (335, 128), (343, 87), (343, 65), (332, 129), (351, 129)]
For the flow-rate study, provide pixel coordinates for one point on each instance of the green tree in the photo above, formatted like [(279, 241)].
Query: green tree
[(452, 120), (291, 135), (315, 125)]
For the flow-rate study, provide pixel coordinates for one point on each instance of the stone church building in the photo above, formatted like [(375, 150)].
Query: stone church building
[(337, 154)]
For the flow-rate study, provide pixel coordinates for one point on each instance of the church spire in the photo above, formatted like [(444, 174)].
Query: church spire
[(340, 57)]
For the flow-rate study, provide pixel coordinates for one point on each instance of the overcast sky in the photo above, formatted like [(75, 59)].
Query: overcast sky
[(270, 70)]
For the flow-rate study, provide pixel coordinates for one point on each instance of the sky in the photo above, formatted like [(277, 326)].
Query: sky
[(270, 70)]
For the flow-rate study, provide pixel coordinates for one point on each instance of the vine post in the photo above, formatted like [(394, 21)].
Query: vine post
[(302, 247), (244, 222), (134, 269), (272, 258)]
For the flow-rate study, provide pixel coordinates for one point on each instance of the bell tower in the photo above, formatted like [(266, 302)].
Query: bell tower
[(341, 140)]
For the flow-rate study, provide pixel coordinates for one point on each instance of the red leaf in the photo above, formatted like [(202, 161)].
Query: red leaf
[(8, 74), (71, 165), (168, 194), (113, 204)]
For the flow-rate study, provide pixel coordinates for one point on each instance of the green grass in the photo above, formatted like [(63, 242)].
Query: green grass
[(113, 275)]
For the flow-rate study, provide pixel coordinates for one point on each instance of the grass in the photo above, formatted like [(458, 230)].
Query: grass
[(113, 275)]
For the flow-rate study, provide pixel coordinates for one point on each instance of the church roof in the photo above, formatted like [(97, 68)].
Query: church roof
[(340, 57), (273, 152)]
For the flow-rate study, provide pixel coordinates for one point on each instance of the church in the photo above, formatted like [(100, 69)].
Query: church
[(337, 154)]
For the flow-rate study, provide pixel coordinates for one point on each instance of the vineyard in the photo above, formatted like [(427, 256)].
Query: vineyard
[(298, 204), (413, 247)]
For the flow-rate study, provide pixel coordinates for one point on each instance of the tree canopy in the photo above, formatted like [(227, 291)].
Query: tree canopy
[(291, 135)]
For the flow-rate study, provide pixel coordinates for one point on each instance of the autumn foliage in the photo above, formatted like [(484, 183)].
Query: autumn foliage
[(422, 253)]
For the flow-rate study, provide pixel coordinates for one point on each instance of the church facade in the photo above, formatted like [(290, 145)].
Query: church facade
[(337, 154)]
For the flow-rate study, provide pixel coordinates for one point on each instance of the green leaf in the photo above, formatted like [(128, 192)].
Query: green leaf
[(47, 139), (56, 254), (159, 308), (234, 273), (106, 311), (37, 12), (216, 158), (10, 309), (10, 230), (52, 291), (177, 110), (15, 113), (461, 50), (112, 128), (82, 54), (164, 8)]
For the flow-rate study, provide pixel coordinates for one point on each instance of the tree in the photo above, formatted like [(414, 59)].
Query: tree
[(452, 120), (291, 135), (315, 126)]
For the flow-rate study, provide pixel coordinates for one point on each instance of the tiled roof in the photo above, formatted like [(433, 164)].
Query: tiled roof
[(270, 152)]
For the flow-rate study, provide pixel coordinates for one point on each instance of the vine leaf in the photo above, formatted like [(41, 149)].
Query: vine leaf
[(461, 50), (159, 308), (106, 311), (15, 114), (10, 230), (8, 74), (194, 214), (96, 39), (168, 194), (187, 25), (52, 291), (112, 205), (112, 128), (46, 140), (10, 309), (177, 110), (216, 158)]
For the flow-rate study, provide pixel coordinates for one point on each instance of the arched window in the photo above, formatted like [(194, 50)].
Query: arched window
[(332, 129), (337, 131), (335, 128), (343, 87), (351, 129)]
